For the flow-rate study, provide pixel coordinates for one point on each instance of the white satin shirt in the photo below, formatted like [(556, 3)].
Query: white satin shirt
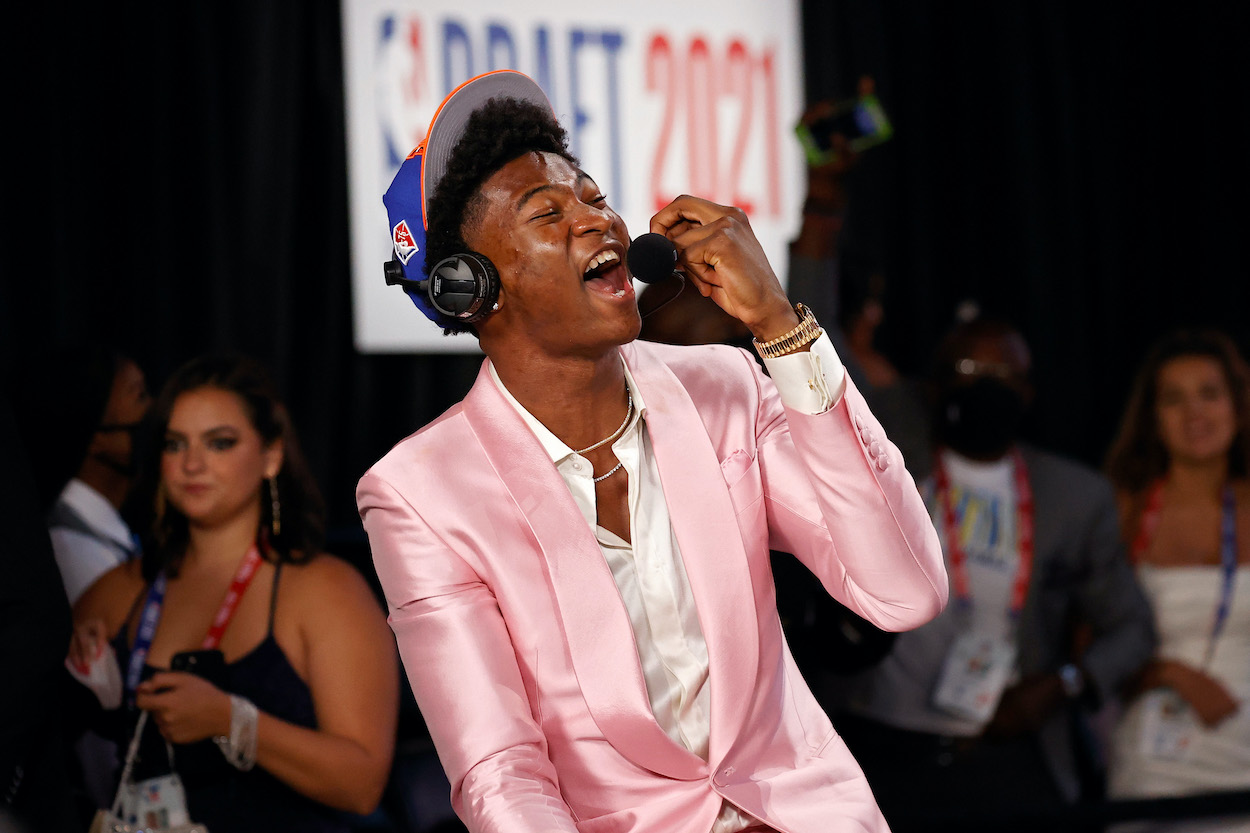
[(649, 573)]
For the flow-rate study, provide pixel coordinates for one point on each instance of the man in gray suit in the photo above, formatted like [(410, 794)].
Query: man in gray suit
[(972, 715)]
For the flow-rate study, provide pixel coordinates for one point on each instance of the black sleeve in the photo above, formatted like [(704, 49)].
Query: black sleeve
[(824, 635), (35, 628)]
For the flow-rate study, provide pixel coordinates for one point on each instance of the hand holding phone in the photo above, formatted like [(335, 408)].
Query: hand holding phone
[(860, 121), (208, 664)]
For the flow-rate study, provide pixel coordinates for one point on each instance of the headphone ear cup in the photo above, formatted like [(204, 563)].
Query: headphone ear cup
[(464, 286)]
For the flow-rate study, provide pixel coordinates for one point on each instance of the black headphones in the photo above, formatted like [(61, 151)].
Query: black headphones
[(464, 286)]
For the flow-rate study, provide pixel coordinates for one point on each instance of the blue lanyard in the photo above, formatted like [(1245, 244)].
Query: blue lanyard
[(1228, 569), (143, 639)]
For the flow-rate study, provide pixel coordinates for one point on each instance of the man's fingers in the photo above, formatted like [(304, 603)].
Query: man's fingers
[(688, 209), (700, 247)]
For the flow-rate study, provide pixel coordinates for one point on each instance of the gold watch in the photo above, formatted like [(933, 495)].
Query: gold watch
[(801, 336)]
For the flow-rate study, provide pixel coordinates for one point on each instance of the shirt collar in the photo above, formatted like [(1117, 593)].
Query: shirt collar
[(95, 509), (555, 448)]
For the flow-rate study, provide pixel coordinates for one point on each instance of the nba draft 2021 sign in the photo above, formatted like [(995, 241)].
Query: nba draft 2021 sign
[(659, 99)]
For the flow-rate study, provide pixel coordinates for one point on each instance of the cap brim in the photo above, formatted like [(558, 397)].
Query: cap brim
[(453, 115)]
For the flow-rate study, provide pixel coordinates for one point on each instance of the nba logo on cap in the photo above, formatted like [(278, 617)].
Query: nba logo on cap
[(405, 245)]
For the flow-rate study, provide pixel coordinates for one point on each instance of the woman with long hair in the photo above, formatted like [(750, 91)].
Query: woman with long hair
[(1180, 464), (264, 664)]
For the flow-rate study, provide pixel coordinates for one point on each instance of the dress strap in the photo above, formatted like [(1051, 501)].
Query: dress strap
[(273, 594), (134, 608)]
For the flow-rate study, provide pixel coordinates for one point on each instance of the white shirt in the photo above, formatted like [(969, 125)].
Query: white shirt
[(83, 557), (984, 498), (648, 569), (899, 691)]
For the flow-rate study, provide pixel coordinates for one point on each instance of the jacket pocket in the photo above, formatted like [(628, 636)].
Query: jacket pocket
[(742, 478)]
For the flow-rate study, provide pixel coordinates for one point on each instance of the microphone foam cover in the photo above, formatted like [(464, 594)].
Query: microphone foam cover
[(652, 257)]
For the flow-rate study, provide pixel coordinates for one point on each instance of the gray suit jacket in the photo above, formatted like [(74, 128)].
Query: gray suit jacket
[(1081, 577)]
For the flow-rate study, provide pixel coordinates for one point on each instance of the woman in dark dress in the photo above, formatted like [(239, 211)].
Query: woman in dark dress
[(294, 721)]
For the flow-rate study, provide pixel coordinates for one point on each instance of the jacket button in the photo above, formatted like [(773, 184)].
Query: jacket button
[(859, 423), (883, 463), (875, 449)]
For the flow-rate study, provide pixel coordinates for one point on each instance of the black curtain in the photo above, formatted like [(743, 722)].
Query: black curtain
[(186, 192), (1079, 167), (176, 182)]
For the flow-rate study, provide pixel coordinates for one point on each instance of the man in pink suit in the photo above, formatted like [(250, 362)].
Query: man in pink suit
[(576, 556)]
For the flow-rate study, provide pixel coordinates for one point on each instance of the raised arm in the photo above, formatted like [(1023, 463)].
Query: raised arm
[(838, 494), (839, 497)]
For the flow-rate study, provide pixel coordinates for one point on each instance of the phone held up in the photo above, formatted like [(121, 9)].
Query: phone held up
[(862, 121), (209, 664)]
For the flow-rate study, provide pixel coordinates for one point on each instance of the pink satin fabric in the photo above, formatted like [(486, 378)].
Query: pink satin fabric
[(520, 652)]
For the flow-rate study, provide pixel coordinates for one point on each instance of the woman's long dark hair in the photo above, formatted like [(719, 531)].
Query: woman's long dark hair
[(1137, 457), (302, 511)]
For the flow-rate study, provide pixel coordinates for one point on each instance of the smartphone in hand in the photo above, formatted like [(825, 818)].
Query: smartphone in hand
[(209, 664), (862, 121)]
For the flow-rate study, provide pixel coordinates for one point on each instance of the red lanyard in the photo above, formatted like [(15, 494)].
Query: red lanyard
[(1149, 521), (242, 578), (1024, 535)]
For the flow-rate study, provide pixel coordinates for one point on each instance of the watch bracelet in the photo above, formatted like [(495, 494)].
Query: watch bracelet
[(805, 333)]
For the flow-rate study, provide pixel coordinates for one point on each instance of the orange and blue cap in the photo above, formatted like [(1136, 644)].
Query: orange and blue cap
[(419, 174)]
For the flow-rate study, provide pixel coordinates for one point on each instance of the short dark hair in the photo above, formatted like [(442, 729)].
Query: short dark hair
[(303, 513), (501, 130), (964, 333), (59, 399)]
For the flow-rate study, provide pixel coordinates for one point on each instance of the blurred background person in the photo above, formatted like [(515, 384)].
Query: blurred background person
[(969, 718), (37, 783), (82, 405), (89, 534), (844, 286), (1179, 464), (673, 313), (286, 711)]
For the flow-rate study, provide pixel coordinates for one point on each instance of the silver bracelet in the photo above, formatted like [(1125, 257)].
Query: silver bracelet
[(240, 747)]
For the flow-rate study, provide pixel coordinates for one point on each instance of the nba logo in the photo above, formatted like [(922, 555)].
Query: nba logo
[(405, 246)]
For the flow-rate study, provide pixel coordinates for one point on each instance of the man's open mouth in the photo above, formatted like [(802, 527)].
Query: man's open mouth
[(606, 273)]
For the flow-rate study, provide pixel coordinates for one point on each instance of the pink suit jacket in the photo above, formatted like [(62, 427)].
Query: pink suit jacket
[(519, 648)]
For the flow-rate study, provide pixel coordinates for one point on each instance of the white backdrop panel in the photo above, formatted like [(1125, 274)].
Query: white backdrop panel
[(659, 99)]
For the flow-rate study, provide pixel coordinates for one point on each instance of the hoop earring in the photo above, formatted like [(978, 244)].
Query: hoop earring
[(275, 512)]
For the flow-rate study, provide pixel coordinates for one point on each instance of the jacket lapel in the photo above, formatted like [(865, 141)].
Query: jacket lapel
[(704, 520), (594, 620)]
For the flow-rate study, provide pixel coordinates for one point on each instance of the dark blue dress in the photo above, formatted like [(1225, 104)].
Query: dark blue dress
[(219, 796)]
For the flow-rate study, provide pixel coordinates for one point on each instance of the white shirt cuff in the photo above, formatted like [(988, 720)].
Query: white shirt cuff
[(810, 382)]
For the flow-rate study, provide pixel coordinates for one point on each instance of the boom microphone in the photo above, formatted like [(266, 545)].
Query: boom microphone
[(652, 257)]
